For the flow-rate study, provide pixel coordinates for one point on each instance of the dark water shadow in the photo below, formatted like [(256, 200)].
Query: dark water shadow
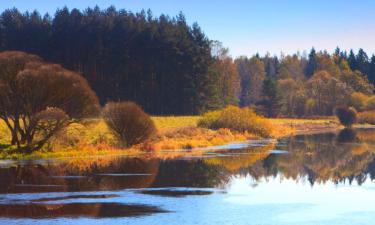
[(75, 197), (347, 135), (175, 193), (75, 210)]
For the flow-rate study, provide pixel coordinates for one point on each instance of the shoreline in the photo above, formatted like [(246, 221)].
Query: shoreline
[(183, 141), (173, 140)]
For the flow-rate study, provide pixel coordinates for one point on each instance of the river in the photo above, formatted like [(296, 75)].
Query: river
[(323, 178)]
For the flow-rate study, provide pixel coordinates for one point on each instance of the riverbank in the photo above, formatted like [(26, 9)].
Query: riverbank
[(92, 137)]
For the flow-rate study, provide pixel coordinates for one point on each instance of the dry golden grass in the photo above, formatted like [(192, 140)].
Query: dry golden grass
[(165, 123), (289, 125), (192, 137), (93, 138)]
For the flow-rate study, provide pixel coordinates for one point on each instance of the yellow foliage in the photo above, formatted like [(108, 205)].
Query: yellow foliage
[(164, 123), (358, 100), (367, 117), (370, 104), (237, 119)]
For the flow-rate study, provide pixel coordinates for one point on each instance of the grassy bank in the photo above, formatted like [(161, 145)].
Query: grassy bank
[(93, 138)]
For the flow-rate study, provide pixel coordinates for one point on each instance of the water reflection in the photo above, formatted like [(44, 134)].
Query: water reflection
[(93, 210), (257, 173), (347, 155), (347, 135)]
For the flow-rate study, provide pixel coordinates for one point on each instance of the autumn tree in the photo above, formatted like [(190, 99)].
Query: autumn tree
[(291, 67), (225, 72), (252, 75), (328, 92), (358, 100), (292, 97), (326, 63), (37, 99)]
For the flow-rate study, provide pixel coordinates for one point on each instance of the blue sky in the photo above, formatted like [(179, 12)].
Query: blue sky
[(251, 26)]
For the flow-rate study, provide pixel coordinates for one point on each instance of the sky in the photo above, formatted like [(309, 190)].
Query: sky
[(248, 27)]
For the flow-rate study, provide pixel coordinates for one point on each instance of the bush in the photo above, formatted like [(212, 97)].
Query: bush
[(367, 117), (236, 119), (370, 103), (129, 123), (347, 116)]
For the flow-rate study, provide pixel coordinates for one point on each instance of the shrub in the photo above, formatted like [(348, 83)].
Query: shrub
[(129, 123), (370, 103), (347, 116), (236, 119), (34, 91), (367, 117), (358, 100)]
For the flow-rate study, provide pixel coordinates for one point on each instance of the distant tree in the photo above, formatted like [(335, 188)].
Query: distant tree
[(357, 81), (327, 91), (337, 51), (212, 98), (293, 97), (311, 63), (358, 100), (271, 65), (371, 74), (229, 83), (130, 124), (370, 104), (326, 62), (352, 60), (252, 75), (225, 85), (362, 61), (36, 98), (291, 67), (272, 97)]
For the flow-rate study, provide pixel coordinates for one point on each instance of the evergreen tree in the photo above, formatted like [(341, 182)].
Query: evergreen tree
[(352, 60), (160, 63), (311, 63), (272, 98), (371, 74), (362, 61)]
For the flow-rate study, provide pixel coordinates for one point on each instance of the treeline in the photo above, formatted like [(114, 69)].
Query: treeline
[(316, 84), (170, 67), (160, 63)]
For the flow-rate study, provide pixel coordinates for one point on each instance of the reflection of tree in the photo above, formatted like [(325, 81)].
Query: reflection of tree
[(94, 210), (75, 177), (318, 158), (347, 135), (190, 173), (242, 158), (322, 157)]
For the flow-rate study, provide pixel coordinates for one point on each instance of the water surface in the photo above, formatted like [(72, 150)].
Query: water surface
[(324, 178)]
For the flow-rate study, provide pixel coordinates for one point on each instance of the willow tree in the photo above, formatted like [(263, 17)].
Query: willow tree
[(38, 99)]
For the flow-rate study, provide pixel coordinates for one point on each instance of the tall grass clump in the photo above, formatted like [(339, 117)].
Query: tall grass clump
[(128, 122), (367, 117), (347, 116), (236, 119)]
